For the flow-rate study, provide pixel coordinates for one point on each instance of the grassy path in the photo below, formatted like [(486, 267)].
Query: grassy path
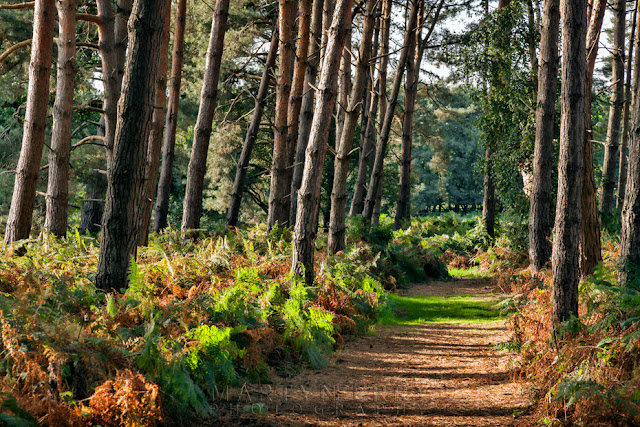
[(432, 362)]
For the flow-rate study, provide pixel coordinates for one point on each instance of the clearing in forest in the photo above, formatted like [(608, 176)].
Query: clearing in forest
[(432, 361)]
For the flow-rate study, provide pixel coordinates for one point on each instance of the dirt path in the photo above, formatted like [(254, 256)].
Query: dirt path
[(426, 375)]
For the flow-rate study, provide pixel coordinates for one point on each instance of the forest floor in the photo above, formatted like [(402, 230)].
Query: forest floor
[(416, 369)]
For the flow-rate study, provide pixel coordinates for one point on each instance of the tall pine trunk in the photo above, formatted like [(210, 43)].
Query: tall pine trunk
[(566, 268), (540, 200), (192, 207), (375, 181), (344, 143), (154, 145), (161, 209), (628, 102), (607, 185), (252, 133), (112, 35), (403, 207), (309, 193), (58, 183), (629, 261), (126, 176), (590, 246), (26, 181), (280, 188), (306, 107), (368, 126)]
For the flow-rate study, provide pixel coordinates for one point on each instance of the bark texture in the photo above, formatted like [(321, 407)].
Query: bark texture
[(58, 182), (252, 133), (279, 201), (566, 269), (344, 144), (540, 200), (192, 207), (375, 181), (608, 183), (154, 145), (309, 193), (590, 247), (26, 181), (306, 108), (368, 128), (628, 102), (161, 209), (135, 112), (629, 261)]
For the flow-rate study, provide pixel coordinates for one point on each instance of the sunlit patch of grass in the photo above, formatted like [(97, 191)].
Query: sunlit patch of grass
[(474, 272), (447, 309)]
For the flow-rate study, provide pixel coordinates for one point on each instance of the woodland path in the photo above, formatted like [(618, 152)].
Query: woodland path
[(419, 375)]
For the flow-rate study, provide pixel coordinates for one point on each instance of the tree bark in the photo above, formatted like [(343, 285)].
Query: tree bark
[(192, 207), (252, 133), (368, 126), (112, 34), (590, 246), (306, 108), (566, 269), (607, 185), (344, 85), (629, 261), (26, 180), (154, 145), (309, 193), (382, 105), (58, 183), (279, 202), (375, 182), (540, 200), (403, 207), (161, 209), (344, 143), (135, 113), (629, 89)]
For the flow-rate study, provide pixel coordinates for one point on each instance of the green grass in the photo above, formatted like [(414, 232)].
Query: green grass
[(474, 272), (448, 309)]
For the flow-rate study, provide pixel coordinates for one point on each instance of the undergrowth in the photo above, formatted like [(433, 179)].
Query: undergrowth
[(196, 316), (588, 373)]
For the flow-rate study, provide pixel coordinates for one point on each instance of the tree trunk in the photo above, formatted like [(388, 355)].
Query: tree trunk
[(309, 193), (192, 207), (252, 133), (622, 175), (607, 186), (306, 108), (403, 207), (368, 128), (410, 92), (154, 145), (540, 200), (566, 269), (629, 262), (295, 100), (590, 246), (58, 183), (344, 144), (382, 105), (375, 182), (344, 86), (280, 188), (112, 34), (161, 209), (26, 181), (135, 113)]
